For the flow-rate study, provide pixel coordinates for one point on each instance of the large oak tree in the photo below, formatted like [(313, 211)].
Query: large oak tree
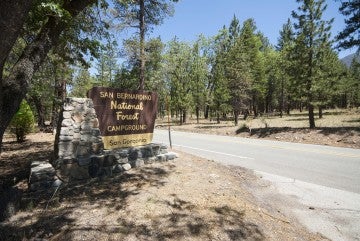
[(14, 84)]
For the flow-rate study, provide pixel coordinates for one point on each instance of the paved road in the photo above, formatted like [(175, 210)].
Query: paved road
[(324, 181), (322, 165)]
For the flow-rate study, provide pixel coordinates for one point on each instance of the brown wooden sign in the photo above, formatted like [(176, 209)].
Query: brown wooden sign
[(126, 118)]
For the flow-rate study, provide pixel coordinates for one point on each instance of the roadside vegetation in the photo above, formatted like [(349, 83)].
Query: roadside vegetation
[(338, 127)]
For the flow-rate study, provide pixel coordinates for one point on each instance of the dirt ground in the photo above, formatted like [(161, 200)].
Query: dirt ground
[(338, 127), (189, 198)]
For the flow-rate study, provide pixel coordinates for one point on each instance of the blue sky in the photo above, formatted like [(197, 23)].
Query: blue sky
[(195, 17)]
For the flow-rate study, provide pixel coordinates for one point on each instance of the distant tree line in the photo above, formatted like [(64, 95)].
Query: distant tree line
[(47, 48)]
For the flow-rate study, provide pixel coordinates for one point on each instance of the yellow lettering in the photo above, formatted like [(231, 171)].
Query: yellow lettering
[(121, 116), (105, 94), (125, 106), (127, 128)]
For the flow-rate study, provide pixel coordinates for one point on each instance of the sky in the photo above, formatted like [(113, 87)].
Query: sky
[(207, 17)]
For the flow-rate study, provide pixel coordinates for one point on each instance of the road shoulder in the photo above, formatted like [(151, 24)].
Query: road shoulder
[(332, 212)]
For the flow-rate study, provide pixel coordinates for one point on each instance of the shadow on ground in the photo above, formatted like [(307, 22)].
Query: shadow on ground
[(268, 131), (108, 193), (15, 167), (182, 219), (61, 217), (186, 221)]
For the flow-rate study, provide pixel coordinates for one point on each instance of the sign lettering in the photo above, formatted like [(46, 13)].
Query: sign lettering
[(126, 118)]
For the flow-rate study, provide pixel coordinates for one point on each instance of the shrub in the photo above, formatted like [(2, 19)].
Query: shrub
[(23, 122)]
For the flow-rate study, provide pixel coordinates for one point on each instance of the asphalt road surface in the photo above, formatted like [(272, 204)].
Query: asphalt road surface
[(324, 180), (323, 165)]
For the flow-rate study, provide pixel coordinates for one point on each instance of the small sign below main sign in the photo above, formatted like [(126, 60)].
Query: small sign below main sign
[(126, 118)]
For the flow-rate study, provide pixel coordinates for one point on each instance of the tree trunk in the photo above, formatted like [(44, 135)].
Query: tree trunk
[(320, 112), (255, 111), (184, 116), (14, 88), (311, 117), (236, 117), (13, 15), (206, 114), (218, 117), (59, 97), (197, 114), (142, 45), (40, 110), (180, 117), (282, 99), (246, 114), (254, 106)]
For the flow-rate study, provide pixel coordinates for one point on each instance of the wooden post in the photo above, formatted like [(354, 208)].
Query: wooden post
[(168, 114)]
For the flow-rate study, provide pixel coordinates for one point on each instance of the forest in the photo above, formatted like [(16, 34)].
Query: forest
[(50, 46)]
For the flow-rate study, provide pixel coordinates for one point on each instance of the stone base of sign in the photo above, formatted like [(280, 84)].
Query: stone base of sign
[(79, 153), (77, 133), (111, 162), (43, 177)]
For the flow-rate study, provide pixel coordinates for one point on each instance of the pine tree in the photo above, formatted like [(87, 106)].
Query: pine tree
[(285, 44), (327, 85), (354, 84), (312, 36), (237, 70), (274, 80), (142, 15), (178, 67), (198, 75), (252, 45), (218, 90), (107, 64), (82, 83)]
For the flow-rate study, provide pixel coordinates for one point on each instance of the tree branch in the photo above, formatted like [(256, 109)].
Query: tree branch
[(15, 87)]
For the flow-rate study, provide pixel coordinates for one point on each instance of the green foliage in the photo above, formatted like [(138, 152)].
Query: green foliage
[(127, 13), (178, 66), (252, 50), (23, 122), (273, 92), (219, 93), (81, 83), (82, 37), (141, 15), (350, 36), (284, 46), (353, 84), (199, 74), (309, 51), (107, 64), (47, 87), (126, 78), (238, 76)]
